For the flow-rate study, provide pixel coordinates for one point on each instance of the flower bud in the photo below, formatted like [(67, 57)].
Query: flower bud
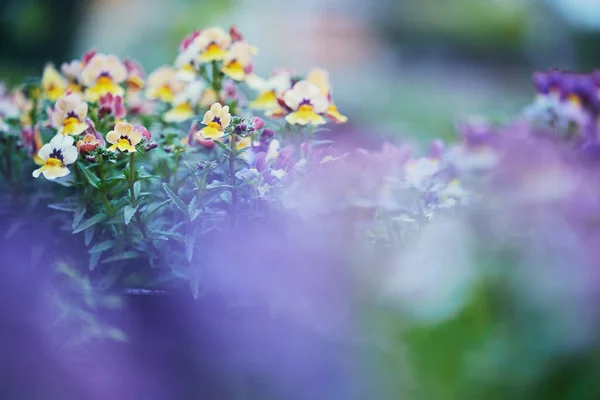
[(257, 123), (151, 145), (240, 129), (91, 159), (145, 132)]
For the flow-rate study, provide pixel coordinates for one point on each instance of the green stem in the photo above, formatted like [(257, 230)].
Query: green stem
[(138, 218), (216, 80), (108, 208), (232, 140), (175, 170)]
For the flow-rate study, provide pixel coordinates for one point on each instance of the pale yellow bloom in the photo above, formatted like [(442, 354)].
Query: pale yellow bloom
[(307, 103), (320, 78), (69, 113), (212, 44), (163, 84), (56, 155), (54, 84), (238, 60), (103, 74), (124, 138), (216, 120)]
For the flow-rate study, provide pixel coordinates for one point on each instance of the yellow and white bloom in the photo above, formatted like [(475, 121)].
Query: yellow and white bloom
[(54, 84), (238, 60), (124, 138), (184, 103), (69, 113), (269, 89), (212, 44), (320, 78), (216, 120), (56, 155), (72, 71), (186, 64), (103, 74), (163, 84), (307, 103)]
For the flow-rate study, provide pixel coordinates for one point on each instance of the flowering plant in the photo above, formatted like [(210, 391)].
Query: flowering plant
[(148, 166)]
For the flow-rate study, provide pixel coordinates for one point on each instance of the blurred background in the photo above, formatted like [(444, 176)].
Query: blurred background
[(408, 67)]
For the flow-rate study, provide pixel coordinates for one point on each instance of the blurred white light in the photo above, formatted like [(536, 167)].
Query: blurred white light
[(584, 13)]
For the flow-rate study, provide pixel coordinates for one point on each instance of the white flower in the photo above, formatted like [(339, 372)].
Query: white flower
[(56, 155)]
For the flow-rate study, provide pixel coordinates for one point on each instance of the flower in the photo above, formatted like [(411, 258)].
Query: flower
[(194, 137), (306, 102), (112, 105), (135, 74), (320, 78), (163, 85), (53, 83), (243, 142), (145, 132), (124, 137), (238, 61), (256, 123), (186, 65), (184, 102), (88, 143), (72, 71), (269, 89), (212, 43), (103, 74), (68, 115), (56, 155), (216, 119), (32, 141)]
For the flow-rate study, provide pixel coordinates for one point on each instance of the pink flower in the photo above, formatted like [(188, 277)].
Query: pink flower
[(88, 56), (256, 123), (112, 105), (236, 36), (185, 43), (145, 132)]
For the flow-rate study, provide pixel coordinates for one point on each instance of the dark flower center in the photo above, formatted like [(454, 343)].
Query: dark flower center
[(304, 102), (125, 138), (217, 120), (56, 153)]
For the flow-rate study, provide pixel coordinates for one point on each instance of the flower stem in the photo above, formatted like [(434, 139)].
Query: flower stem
[(132, 178), (232, 140), (109, 210)]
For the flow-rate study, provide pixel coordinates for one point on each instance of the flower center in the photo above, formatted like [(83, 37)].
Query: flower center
[(55, 155), (53, 162), (217, 120), (305, 108), (104, 80), (124, 139)]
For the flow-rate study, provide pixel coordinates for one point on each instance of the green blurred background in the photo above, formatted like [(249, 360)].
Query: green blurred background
[(399, 67)]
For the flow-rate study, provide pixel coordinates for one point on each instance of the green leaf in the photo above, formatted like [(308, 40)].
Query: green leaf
[(226, 197), (190, 241), (128, 255), (175, 199), (12, 229), (78, 216), (90, 176), (128, 213), (152, 209), (192, 208), (67, 207), (223, 146), (90, 222), (89, 235), (102, 246), (137, 188), (172, 235), (94, 259)]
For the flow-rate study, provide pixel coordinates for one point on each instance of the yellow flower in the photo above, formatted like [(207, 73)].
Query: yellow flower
[(184, 103), (53, 83), (69, 113), (320, 78), (163, 85), (124, 137), (306, 102), (238, 60), (56, 155), (269, 89), (72, 71), (212, 44), (243, 142), (185, 63), (103, 74), (216, 120)]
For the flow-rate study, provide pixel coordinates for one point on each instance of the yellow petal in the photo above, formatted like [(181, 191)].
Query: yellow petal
[(234, 70), (212, 53), (212, 131), (304, 116)]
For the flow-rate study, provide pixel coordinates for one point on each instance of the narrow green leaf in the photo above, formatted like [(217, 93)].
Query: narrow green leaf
[(78, 216), (67, 207), (89, 235), (128, 213), (152, 209), (172, 235), (94, 259), (192, 208), (90, 222), (175, 199), (226, 197), (190, 241), (90, 176), (137, 188), (223, 146), (102, 246), (128, 255)]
